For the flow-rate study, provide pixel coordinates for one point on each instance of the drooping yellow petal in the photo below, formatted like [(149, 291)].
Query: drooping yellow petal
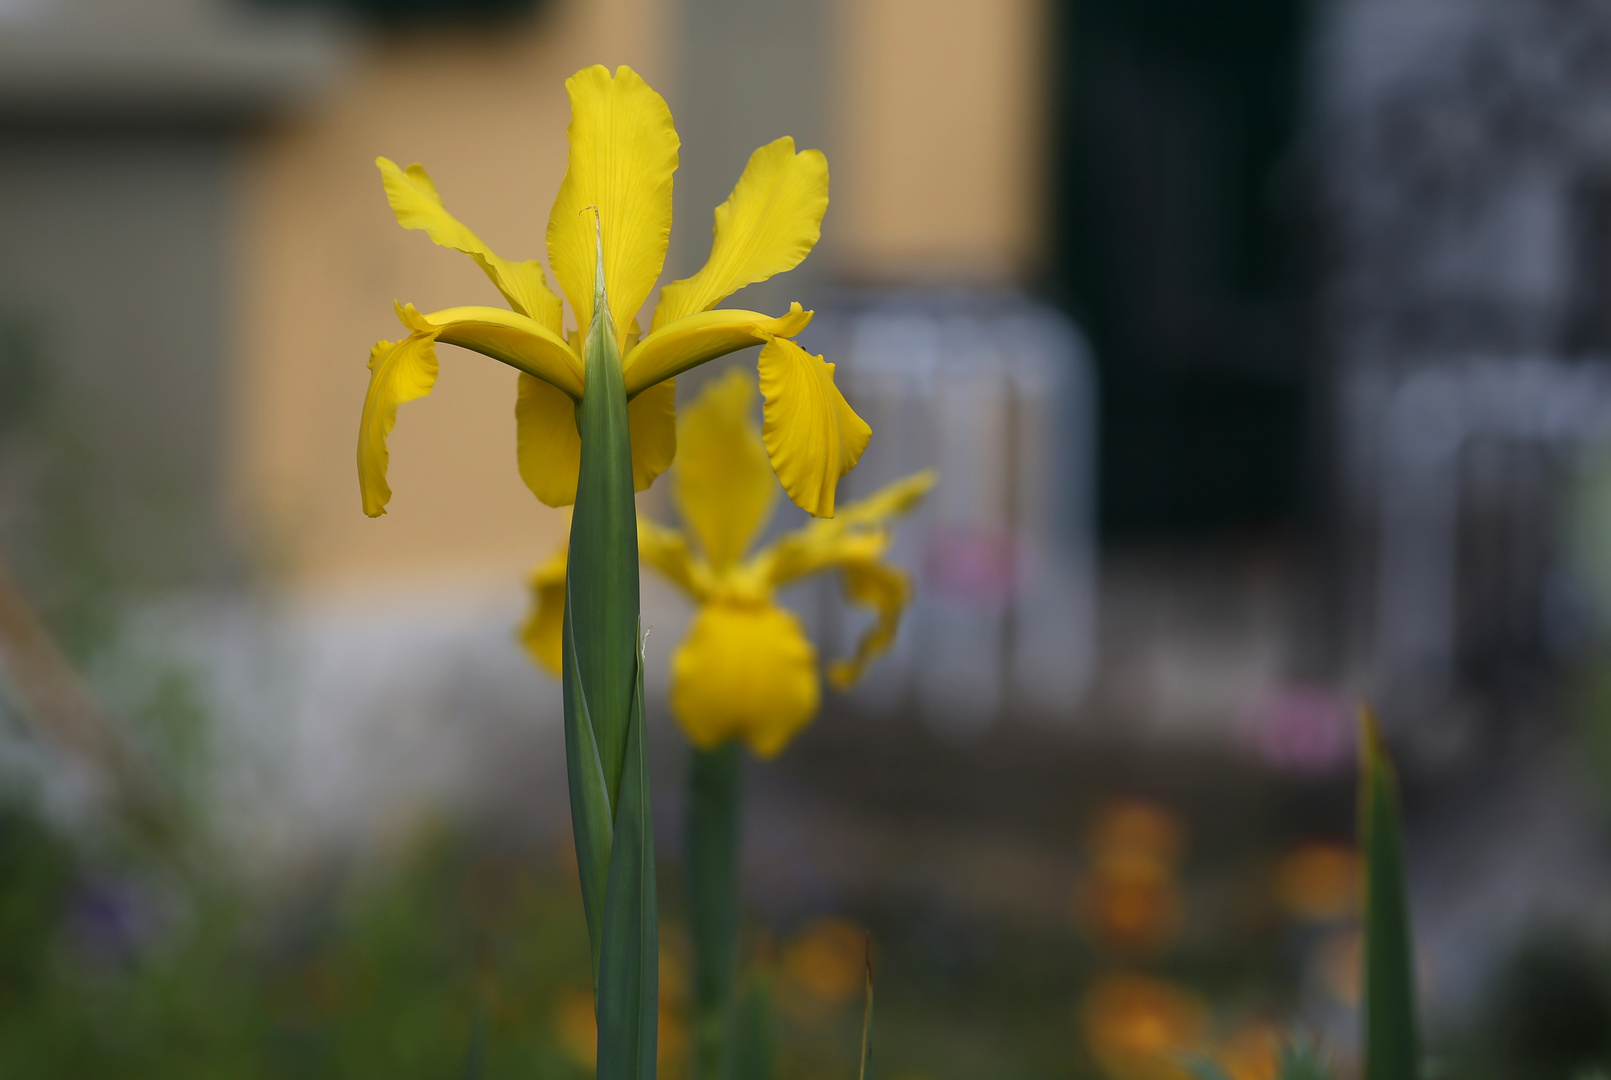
[(652, 423), (812, 435), (623, 151), (517, 340), (887, 590), (542, 632), (547, 444), (689, 342), (398, 371), (667, 551), (723, 485), (414, 200), (768, 225), (745, 671)]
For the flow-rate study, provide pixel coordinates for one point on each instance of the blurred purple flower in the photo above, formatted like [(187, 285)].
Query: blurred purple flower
[(109, 920)]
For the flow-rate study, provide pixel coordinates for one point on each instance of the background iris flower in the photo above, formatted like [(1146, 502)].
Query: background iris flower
[(747, 669)]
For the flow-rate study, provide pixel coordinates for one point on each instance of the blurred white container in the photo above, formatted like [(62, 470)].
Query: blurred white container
[(997, 393)]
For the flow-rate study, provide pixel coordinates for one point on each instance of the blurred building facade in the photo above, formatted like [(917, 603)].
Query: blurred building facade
[(1466, 150)]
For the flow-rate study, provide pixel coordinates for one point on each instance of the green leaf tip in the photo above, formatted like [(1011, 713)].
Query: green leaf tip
[(1388, 1014)]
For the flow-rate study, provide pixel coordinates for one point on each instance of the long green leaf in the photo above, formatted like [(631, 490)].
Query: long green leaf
[(1391, 1043), (605, 740), (601, 574), (629, 984), (715, 786), (591, 821)]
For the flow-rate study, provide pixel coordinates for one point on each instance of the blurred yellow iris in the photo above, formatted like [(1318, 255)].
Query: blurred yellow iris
[(746, 669), (623, 151)]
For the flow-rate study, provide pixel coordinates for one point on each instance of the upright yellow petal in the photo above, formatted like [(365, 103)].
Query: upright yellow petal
[(690, 341), (414, 200), (623, 151), (667, 551), (547, 444), (521, 342), (398, 372), (812, 434), (652, 423), (768, 225), (543, 631), (744, 671), (887, 590), (723, 484)]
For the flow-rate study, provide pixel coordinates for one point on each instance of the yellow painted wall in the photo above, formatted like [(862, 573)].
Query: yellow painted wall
[(939, 121), (323, 259)]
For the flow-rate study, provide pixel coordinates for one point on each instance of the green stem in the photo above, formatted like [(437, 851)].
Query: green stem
[(715, 789)]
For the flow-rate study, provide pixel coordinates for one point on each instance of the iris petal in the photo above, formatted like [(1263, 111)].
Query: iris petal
[(667, 551), (812, 434), (623, 151), (723, 484), (516, 340), (857, 533), (547, 444), (744, 671), (550, 448), (768, 225), (398, 371), (690, 341), (652, 424), (887, 590), (414, 200), (542, 634)]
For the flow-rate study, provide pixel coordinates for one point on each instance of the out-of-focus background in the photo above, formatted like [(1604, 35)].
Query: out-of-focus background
[(1264, 349)]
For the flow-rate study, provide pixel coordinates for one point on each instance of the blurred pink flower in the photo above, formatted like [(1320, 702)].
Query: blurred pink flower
[(1300, 728)]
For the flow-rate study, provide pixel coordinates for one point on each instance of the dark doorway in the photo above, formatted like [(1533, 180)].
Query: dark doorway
[(1180, 251)]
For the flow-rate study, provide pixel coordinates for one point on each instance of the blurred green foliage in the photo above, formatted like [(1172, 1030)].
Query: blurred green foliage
[(451, 959)]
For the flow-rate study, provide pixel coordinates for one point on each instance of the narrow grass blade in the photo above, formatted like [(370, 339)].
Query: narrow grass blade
[(755, 1033), (591, 822), (629, 985), (715, 788), (867, 1019), (1391, 1043)]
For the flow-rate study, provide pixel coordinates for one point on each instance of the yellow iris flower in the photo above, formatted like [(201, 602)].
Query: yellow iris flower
[(623, 151), (746, 669)]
